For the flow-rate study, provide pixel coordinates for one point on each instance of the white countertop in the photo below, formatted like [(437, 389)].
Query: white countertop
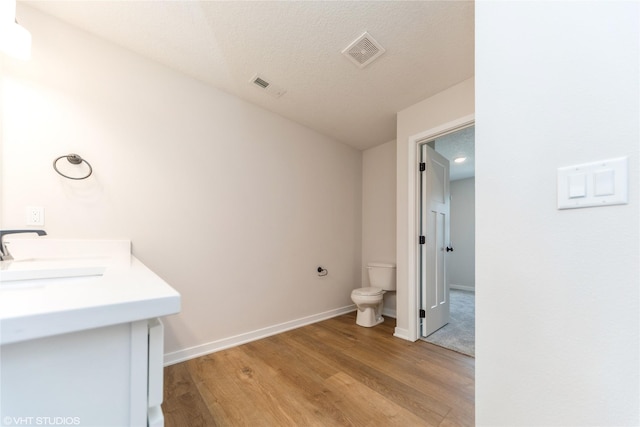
[(127, 291)]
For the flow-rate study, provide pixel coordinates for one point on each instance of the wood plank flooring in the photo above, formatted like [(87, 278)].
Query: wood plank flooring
[(331, 373)]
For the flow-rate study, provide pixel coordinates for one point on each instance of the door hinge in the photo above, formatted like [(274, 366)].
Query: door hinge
[(422, 240), (423, 314), (423, 167)]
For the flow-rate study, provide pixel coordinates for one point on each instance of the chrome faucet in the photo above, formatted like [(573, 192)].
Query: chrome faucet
[(4, 251)]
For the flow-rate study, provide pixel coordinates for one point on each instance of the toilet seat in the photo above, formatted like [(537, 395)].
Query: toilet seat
[(368, 292)]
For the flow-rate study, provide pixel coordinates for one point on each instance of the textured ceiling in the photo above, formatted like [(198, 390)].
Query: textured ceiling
[(459, 144), (297, 45)]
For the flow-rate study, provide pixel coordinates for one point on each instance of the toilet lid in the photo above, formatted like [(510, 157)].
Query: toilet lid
[(368, 291)]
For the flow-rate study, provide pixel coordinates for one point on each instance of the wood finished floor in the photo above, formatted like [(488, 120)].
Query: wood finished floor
[(332, 373)]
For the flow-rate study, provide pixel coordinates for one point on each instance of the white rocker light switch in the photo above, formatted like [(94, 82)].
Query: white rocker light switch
[(604, 183), (577, 185)]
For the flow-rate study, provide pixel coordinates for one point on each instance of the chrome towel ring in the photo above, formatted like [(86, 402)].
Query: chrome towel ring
[(74, 159)]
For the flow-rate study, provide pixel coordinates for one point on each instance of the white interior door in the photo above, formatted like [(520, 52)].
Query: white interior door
[(433, 240)]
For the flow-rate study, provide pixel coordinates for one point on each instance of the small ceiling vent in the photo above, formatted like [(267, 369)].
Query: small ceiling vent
[(363, 50), (262, 83)]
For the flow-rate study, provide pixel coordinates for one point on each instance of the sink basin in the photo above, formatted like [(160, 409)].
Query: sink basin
[(50, 268)]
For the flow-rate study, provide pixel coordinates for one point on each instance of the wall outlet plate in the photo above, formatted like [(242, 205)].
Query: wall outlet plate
[(35, 215)]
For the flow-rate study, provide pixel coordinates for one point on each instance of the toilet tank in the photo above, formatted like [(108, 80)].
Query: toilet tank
[(382, 275)]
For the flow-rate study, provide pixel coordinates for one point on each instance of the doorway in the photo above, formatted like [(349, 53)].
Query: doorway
[(408, 230), (458, 253)]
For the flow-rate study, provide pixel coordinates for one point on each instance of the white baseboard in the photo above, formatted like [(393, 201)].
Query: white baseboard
[(389, 312), (463, 288), (402, 333), (212, 347)]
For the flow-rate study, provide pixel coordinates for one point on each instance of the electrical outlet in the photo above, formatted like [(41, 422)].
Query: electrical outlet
[(35, 215)]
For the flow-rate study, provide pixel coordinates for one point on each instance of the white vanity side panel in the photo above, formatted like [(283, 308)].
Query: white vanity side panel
[(138, 373), (156, 362), (84, 374)]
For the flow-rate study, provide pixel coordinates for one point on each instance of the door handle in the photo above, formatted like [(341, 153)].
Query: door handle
[(449, 249)]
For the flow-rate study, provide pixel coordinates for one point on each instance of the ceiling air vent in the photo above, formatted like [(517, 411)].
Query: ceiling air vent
[(263, 84), (363, 50)]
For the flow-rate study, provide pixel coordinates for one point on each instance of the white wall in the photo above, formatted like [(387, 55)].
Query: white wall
[(557, 292), (447, 106), (461, 263), (379, 212), (234, 206)]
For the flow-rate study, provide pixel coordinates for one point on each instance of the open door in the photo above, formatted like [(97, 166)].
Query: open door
[(433, 240)]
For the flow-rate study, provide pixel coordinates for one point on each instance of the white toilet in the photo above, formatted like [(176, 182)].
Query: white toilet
[(382, 278)]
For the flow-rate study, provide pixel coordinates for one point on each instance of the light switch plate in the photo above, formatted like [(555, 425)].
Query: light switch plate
[(605, 183)]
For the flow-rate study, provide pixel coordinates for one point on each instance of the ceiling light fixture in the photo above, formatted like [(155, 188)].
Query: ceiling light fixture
[(459, 159), (15, 40)]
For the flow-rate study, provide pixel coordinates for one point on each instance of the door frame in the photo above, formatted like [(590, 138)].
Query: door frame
[(413, 264)]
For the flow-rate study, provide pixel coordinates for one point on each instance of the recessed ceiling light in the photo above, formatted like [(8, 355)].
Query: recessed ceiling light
[(459, 159)]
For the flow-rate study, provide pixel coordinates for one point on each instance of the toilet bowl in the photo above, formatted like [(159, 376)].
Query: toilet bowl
[(370, 300)]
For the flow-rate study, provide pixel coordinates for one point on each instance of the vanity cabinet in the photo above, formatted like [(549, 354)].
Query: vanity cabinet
[(107, 376), (83, 350)]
